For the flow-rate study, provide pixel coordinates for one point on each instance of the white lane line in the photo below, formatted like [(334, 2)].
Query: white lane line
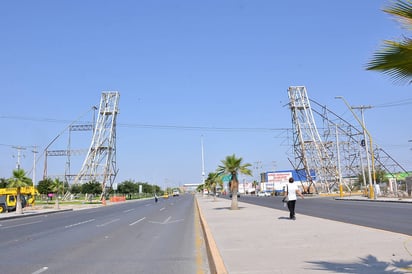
[(168, 219), (12, 226), (138, 221), (128, 210), (162, 209), (176, 221), (44, 268), (80, 223), (109, 222)]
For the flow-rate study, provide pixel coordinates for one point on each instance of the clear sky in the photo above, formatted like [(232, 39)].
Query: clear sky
[(186, 69)]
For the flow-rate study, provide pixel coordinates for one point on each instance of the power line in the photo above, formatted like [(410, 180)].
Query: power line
[(402, 102), (153, 126), (204, 128)]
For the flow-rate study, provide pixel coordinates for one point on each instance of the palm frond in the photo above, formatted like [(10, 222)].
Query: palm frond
[(402, 11), (395, 60)]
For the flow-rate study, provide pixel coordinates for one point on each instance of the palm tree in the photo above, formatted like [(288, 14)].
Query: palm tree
[(212, 181), (19, 180), (395, 58), (232, 165), (57, 187)]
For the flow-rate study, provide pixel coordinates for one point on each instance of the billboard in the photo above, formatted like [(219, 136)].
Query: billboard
[(277, 180)]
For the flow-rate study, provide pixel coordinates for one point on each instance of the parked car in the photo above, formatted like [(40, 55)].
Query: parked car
[(264, 194)]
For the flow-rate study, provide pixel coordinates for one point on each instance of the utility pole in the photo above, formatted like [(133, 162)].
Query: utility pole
[(339, 177), (34, 164), (19, 155), (365, 132), (258, 167), (370, 175)]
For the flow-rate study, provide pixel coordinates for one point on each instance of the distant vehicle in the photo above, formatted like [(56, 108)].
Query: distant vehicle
[(279, 192), (264, 194), (166, 195), (175, 193)]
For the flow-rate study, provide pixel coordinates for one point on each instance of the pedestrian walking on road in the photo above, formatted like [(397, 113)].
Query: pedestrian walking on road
[(292, 190)]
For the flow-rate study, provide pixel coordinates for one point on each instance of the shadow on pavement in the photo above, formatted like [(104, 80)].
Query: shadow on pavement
[(228, 208), (284, 218), (370, 264)]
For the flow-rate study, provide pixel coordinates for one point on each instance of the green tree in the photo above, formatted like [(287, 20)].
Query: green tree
[(3, 183), (395, 57), (380, 175), (232, 165), (44, 186), (19, 180), (148, 188), (255, 184), (212, 181), (200, 188), (128, 187), (57, 187), (92, 188), (76, 188)]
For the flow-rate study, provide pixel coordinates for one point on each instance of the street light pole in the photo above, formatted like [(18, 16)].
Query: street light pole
[(203, 160), (365, 131)]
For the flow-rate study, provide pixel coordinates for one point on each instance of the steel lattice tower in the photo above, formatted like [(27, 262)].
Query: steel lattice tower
[(334, 150), (311, 153), (100, 162)]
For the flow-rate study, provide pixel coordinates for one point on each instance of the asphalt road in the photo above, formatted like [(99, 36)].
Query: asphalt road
[(132, 237), (394, 217)]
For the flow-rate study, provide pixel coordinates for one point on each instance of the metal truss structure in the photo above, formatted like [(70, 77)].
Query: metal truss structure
[(100, 162), (333, 150), (67, 177)]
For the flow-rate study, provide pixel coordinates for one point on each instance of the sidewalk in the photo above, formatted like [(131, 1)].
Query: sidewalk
[(257, 240)]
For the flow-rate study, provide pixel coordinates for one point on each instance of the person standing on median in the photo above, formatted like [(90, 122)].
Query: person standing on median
[(292, 190)]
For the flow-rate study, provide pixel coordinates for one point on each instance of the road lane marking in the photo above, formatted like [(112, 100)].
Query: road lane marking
[(138, 221), (162, 209), (109, 222), (80, 223), (167, 221), (13, 226), (41, 270), (128, 210)]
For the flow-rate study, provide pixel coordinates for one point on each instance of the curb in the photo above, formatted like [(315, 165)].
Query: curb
[(215, 259), (375, 201), (15, 216)]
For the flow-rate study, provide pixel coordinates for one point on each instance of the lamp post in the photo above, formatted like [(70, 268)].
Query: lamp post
[(372, 178), (203, 160)]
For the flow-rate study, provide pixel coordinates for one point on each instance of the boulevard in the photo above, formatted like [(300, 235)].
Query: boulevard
[(389, 216), (132, 237)]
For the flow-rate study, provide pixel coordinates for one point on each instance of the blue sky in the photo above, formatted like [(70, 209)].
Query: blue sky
[(193, 66)]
